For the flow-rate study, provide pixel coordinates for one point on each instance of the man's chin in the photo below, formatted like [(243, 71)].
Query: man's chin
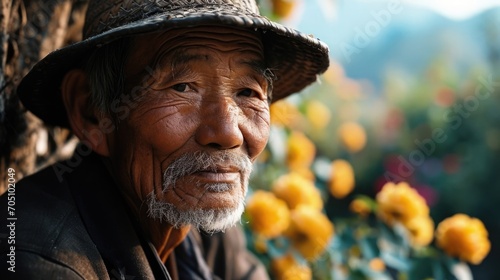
[(209, 220)]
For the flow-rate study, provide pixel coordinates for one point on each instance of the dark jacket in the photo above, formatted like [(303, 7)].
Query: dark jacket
[(80, 228)]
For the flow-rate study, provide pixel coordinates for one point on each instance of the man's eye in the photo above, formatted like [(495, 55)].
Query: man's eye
[(181, 87), (246, 92)]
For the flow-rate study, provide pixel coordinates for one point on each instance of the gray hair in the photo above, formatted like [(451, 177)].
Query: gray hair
[(104, 68)]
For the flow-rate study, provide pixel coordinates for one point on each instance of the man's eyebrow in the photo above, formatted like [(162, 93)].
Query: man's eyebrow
[(260, 67), (256, 65), (177, 62), (176, 58), (180, 58)]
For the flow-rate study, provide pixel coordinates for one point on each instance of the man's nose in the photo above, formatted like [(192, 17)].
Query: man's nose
[(219, 125)]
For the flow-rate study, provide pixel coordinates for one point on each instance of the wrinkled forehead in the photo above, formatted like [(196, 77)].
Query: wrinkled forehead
[(178, 45)]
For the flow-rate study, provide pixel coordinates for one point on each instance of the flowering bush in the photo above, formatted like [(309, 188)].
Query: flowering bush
[(362, 167), (292, 230)]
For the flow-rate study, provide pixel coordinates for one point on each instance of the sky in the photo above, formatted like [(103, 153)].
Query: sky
[(453, 9), (335, 21), (456, 9)]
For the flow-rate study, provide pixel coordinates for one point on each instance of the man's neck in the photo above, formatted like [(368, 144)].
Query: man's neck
[(163, 236)]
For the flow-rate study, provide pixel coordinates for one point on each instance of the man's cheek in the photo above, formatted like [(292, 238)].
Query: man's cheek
[(169, 136), (257, 137)]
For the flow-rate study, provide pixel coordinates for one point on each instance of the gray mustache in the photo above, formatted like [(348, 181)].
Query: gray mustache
[(191, 163)]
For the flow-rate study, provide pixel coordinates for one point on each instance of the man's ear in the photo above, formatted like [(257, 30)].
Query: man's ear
[(82, 117)]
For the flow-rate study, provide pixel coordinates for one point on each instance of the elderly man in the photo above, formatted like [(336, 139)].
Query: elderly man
[(170, 100)]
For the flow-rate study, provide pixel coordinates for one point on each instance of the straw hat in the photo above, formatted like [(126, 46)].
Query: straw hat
[(296, 58)]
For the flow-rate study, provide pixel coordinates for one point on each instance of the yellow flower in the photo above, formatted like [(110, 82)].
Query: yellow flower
[(400, 203), (421, 230), (268, 215), (295, 190), (284, 113), (301, 151), (318, 114), (287, 268), (342, 179), (360, 207), (310, 231), (353, 136), (463, 237)]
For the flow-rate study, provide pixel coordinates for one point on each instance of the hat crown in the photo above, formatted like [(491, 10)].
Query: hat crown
[(105, 15)]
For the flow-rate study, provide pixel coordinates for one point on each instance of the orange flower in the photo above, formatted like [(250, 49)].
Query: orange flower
[(353, 136), (295, 190), (400, 203), (342, 180), (377, 264), (463, 237), (268, 215), (301, 151), (421, 230), (287, 268), (310, 231)]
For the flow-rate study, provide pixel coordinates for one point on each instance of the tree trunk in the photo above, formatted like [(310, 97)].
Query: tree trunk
[(29, 30)]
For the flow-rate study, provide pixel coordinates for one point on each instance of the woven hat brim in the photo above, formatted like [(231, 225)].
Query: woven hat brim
[(295, 58)]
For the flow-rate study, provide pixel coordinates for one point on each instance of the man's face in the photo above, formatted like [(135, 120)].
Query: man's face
[(201, 119)]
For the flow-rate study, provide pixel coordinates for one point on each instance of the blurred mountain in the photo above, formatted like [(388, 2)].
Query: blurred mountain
[(373, 38)]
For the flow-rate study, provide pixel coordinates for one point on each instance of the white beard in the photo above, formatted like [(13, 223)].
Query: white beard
[(210, 220)]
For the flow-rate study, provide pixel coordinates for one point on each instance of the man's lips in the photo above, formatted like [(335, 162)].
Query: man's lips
[(219, 175)]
